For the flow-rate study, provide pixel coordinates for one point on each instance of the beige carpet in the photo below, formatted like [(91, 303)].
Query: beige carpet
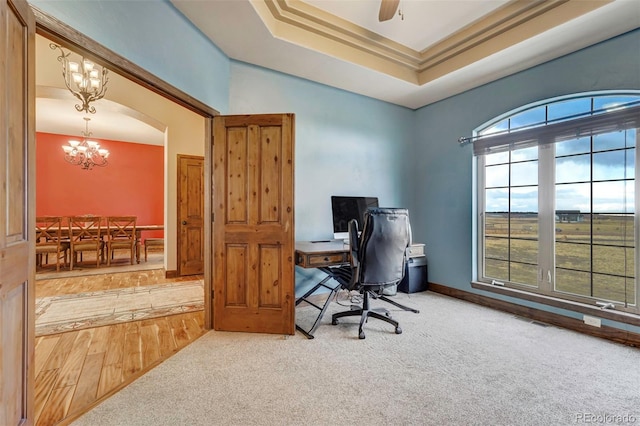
[(58, 314), (454, 364)]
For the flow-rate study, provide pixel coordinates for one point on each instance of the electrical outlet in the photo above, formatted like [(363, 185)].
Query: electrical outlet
[(592, 321)]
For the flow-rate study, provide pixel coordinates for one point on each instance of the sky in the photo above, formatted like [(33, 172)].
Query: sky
[(612, 164)]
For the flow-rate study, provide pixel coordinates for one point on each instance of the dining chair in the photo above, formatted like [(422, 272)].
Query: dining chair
[(151, 244), (49, 240), (85, 235), (121, 235)]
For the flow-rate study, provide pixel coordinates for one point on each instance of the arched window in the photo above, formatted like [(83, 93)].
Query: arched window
[(558, 201)]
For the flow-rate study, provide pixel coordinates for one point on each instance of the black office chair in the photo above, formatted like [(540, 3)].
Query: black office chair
[(377, 262)]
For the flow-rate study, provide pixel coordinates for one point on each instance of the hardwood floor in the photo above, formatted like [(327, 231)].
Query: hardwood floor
[(76, 369)]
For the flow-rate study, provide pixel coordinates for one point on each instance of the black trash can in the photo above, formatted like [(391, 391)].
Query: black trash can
[(415, 276)]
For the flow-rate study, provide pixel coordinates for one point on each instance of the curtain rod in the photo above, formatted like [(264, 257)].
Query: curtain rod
[(464, 140)]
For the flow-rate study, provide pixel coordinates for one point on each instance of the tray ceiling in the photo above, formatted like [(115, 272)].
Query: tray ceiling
[(431, 50)]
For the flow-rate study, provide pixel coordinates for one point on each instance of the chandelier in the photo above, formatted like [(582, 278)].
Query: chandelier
[(85, 153), (84, 79)]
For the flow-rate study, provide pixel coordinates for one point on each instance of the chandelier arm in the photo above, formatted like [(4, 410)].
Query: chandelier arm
[(86, 153), (86, 107), (76, 159), (64, 60), (83, 93)]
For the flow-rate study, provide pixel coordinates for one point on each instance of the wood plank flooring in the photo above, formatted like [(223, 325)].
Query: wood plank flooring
[(77, 369)]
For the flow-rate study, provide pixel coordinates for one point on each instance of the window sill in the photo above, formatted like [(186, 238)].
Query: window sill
[(610, 314)]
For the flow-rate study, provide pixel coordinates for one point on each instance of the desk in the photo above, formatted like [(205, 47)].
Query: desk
[(310, 254), (321, 255), (328, 256)]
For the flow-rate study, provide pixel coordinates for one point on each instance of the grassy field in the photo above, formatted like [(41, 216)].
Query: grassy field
[(594, 256)]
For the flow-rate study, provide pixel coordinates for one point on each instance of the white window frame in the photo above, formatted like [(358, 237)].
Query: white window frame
[(546, 214)]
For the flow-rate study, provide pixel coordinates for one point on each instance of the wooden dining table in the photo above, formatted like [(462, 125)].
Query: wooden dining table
[(139, 229)]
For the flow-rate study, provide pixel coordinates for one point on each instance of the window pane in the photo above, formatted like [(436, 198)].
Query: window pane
[(575, 196), (614, 140), (496, 269), (496, 248), (632, 138), (613, 230), (573, 256), (568, 108), (524, 173), (614, 165), (496, 224), (496, 158), (497, 176), (611, 288), (573, 169), (573, 146), (524, 226), (525, 251), (497, 200), (496, 128), (524, 200), (525, 154), (524, 274), (610, 102), (613, 197), (613, 260), (573, 282), (530, 117), (572, 227)]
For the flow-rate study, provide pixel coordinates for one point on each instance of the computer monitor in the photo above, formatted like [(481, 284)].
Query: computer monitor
[(346, 208)]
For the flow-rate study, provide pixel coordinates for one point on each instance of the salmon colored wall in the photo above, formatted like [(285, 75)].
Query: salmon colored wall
[(131, 184)]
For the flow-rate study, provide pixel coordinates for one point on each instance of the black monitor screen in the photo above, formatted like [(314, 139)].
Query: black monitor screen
[(346, 208)]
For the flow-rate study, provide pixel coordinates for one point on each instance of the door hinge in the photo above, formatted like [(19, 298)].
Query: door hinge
[(211, 217)]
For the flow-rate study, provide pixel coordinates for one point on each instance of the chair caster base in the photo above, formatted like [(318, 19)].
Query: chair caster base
[(334, 322), (361, 335), (398, 330)]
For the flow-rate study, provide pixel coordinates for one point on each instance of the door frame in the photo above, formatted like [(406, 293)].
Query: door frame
[(59, 32)]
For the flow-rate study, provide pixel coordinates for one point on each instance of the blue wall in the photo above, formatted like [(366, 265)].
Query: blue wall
[(442, 204), (346, 144), (155, 36)]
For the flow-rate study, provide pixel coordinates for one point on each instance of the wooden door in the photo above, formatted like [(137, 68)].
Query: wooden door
[(17, 218), (190, 215), (253, 229)]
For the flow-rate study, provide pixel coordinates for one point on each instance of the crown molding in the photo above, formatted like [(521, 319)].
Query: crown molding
[(300, 23)]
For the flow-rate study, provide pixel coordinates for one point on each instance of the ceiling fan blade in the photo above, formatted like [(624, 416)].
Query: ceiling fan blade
[(387, 9)]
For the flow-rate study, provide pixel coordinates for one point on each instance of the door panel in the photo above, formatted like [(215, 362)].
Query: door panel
[(17, 220), (190, 215), (253, 244)]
